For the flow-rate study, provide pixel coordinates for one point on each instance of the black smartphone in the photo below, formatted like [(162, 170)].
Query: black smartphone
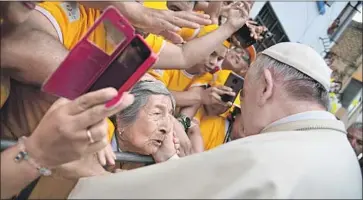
[(235, 82), (243, 35)]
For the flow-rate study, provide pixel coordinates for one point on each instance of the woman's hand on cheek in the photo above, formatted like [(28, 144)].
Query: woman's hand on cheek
[(176, 143), (166, 150), (184, 141)]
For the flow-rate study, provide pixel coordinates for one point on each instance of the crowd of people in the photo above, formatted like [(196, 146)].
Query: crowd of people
[(275, 139)]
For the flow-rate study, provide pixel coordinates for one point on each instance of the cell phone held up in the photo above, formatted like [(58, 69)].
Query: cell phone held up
[(120, 63), (243, 35), (235, 82)]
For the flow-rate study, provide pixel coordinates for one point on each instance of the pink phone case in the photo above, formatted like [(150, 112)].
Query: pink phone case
[(86, 62)]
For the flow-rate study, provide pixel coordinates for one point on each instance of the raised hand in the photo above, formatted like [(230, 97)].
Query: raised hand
[(71, 130)]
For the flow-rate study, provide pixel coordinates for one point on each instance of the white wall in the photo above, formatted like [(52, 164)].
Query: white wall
[(301, 20)]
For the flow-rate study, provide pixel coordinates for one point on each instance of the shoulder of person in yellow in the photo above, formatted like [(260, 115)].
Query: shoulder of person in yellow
[(72, 21), (155, 42)]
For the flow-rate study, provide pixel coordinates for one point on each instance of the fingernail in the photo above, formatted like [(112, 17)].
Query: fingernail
[(176, 29)]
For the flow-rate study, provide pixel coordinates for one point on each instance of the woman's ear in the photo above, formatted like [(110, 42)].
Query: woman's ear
[(267, 87)]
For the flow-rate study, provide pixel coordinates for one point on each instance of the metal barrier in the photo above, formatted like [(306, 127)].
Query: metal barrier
[(120, 156)]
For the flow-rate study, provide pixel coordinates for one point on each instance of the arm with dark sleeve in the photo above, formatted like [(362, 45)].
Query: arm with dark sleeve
[(192, 52)]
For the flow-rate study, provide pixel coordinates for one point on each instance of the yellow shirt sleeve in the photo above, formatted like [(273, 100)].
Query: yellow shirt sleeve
[(164, 76), (160, 5), (155, 42), (188, 33), (5, 90), (111, 129)]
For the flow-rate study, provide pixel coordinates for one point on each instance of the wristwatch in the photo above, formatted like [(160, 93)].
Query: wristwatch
[(185, 121)]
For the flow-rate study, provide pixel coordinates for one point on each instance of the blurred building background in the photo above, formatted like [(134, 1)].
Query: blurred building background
[(329, 28)]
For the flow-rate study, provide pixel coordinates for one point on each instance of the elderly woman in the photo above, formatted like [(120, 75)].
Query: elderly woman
[(146, 126)]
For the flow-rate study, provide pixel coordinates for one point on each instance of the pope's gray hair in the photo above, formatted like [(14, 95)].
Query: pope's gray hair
[(142, 90), (297, 85)]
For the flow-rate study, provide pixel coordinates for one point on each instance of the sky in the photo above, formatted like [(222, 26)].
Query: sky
[(358, 16)]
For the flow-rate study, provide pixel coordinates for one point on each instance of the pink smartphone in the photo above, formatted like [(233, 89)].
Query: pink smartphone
[(88, 68)]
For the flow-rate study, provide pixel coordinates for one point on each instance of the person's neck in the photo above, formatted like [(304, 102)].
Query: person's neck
[(192, 71), (123, 145), (284, 109)]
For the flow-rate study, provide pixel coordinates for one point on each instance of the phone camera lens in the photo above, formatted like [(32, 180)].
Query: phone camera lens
[(234, 81)]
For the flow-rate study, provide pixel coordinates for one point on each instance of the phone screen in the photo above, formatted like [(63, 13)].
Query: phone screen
[(122, 68), (243, 35)]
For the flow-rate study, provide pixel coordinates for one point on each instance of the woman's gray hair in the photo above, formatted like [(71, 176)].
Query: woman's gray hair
[(142, 90), (297, 85)]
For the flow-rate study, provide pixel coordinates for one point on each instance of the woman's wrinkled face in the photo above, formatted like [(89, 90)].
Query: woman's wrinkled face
[(151, 126)]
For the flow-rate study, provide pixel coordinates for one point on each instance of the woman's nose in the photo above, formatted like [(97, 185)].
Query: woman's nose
[(165, 125)]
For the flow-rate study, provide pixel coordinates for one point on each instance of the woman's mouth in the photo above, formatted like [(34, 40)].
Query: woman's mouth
[(158, 142)]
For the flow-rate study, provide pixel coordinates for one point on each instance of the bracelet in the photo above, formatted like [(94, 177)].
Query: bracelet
[(24, 155)]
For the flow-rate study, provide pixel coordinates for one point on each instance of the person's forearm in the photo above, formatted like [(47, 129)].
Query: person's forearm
[(190, 111), (201, 6), (196, 139), (202, 47), (194, 51), (186, 98), (30, 56), (126, 8), (15, 176)]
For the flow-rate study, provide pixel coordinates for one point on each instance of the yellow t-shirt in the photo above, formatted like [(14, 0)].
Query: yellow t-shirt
[(4, 90), (179, 80), (160, 5), (72, 21), (188, 34), (155, 42), (214, 128)]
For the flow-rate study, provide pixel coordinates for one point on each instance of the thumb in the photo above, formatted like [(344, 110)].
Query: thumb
[(58, 103)]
